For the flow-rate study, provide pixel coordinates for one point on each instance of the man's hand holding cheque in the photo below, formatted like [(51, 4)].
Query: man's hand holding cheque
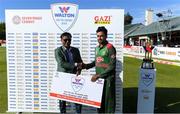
[(94, 77)]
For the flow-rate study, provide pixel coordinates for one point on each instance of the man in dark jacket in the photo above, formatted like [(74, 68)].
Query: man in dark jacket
[(105, 63), (68, 58)]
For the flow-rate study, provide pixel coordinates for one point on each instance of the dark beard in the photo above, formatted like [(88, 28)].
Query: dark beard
[(103, 42)]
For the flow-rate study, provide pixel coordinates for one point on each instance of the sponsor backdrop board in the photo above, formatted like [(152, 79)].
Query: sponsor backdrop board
[(32, 36)]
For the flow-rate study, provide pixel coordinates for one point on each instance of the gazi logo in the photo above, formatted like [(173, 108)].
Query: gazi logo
[(64, 15), (102, 19)]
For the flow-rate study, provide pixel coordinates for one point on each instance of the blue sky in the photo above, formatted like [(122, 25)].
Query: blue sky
[(136, 8)]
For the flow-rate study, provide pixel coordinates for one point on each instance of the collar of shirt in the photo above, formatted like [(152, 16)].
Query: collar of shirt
[(64, 49), (68, 54)]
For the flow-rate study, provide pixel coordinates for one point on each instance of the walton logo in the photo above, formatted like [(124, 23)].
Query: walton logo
[(64, 15), (147, 78), (64, 9), (77, 83)]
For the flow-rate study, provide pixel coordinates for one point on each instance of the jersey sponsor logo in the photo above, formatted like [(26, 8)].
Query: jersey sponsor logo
[(103, 65), (99, 59)]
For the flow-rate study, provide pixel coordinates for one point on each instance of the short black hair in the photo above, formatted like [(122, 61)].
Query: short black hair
[(102, 29), (66, 34)]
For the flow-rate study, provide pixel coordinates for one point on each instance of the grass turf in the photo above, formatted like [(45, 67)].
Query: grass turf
[(3, 80), (167, 98)]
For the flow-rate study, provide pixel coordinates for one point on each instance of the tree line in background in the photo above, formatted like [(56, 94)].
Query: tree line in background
[(2, 31), (127, 20)]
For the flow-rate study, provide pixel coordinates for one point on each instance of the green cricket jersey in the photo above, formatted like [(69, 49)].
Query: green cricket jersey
[(105, 63)]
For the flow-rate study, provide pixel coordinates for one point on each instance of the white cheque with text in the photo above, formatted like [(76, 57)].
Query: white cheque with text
[(77, 89)]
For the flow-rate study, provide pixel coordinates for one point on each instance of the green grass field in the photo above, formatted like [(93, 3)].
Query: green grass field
[(3, 80), (167, 98)]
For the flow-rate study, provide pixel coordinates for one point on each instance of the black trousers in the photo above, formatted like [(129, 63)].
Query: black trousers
[(62, 107)]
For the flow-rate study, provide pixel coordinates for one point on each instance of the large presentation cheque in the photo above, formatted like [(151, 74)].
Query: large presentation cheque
[(77, 89)]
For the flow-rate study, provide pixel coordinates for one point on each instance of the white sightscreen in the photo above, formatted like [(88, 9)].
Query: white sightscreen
[(32, 36)]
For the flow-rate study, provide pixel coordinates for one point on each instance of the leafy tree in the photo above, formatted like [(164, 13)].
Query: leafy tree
[(2, 31), (127, 18)]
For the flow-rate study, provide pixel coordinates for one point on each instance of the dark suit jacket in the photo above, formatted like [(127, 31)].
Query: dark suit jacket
[(62, 64)]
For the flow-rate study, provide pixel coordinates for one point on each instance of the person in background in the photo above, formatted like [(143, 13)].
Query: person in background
[(105, 64), (68, 59)]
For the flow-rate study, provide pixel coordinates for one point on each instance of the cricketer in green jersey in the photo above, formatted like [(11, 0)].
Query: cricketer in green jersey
[(105, 64)]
